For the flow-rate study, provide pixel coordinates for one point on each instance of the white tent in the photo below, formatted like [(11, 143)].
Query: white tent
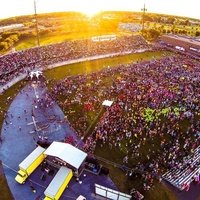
[(66, 152), (35, 73), (107, 103)]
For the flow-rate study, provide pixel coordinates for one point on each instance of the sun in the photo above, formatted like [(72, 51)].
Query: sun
[(89, 8), (90, 11)]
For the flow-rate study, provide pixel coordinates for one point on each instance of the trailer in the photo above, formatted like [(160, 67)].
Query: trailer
[(29, 164), (58, 184)]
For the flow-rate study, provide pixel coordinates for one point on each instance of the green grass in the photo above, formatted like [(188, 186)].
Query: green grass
[(191, 30), (5, 191), (25, 44), (53, 38), (117, 175), (60, 73), (160, 191), (57, 74)]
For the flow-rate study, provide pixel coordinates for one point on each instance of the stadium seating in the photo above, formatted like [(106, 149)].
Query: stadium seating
[(183, 175)]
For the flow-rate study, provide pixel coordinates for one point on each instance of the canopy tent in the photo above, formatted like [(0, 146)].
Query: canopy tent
[(66, 152), (107, 103)]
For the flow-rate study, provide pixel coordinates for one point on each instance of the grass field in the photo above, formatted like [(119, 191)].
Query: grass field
[(52, 39), (55, 75), (59, 73), (123, 182), (189, 30)]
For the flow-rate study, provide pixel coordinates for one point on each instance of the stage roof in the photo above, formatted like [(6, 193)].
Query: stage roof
[(66, 152)]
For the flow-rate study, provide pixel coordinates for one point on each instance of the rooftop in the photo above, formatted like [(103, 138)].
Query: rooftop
[(67, 153), (190, 40)]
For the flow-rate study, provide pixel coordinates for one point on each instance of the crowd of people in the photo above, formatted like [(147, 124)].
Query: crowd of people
[(154, 120), (14, 64)]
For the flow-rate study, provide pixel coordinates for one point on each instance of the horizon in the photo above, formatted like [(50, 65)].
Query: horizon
[(26, 7), (75, 11)]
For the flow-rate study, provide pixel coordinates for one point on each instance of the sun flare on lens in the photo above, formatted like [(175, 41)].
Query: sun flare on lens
[(89, 9), (90, 12)]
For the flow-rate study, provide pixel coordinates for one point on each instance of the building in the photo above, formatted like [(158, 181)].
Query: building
[(181, 43), (11, 27)]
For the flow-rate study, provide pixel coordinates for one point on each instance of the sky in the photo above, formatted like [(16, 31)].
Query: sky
[(188, 8)]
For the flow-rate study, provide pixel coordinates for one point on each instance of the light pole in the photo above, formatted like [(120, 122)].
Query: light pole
[(143, 15), (36, 24)]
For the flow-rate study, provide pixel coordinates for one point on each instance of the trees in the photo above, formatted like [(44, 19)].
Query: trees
[(171, 20), (8, 39), (3, 46), (197, 33), (151, 34)]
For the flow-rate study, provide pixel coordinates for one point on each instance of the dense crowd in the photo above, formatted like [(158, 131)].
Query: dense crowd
[(13, 64), (154, 120)]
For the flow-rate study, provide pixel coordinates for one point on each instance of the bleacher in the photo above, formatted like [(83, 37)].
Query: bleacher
[(14, 64), (181, 176)]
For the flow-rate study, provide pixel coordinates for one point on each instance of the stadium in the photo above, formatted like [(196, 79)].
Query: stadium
[(111, 115)]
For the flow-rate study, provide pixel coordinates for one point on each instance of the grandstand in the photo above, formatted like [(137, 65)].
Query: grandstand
[(24, 61), (184, 173), (182, 43)]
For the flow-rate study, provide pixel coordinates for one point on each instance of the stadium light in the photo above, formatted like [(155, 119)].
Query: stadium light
[(143, 15), (36, 24)]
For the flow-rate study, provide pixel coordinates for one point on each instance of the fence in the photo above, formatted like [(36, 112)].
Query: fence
[(110, 194)]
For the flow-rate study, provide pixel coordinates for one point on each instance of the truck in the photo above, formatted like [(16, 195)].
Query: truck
[(29, 164), (58, 184)]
